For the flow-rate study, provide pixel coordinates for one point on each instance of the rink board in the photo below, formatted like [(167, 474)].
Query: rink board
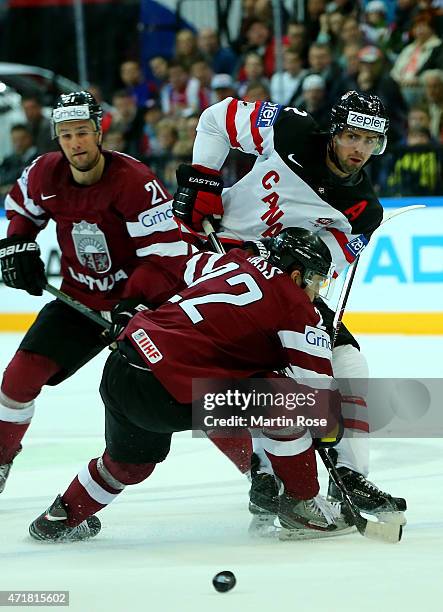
[(398, 287)]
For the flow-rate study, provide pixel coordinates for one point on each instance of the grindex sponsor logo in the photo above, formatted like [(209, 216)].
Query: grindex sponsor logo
[(70, 113)]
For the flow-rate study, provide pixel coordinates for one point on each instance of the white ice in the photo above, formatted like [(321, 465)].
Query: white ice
[(163, 540)]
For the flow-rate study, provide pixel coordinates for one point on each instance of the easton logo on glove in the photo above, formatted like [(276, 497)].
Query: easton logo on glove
[(202, 181)]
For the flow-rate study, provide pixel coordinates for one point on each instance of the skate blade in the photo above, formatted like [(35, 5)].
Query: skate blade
[(264, 526), (312, 534)]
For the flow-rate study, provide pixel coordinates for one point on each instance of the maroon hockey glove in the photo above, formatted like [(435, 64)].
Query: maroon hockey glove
[(21, 265), (198, 196), (121, 314)]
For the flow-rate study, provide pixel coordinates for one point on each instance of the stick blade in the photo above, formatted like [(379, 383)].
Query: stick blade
[(385, 532)]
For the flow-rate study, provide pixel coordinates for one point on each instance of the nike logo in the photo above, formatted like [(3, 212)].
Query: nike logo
[(294, 161), (43, 197)]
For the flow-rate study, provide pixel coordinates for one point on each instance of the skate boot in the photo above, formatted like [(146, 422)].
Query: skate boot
[(310, 518), (4, 471), (367, 497), (51, 525), (263, 500)]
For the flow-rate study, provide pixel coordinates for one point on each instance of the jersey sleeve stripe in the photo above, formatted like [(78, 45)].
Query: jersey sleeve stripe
[(11, 205), (169, 249), (287, 448), (356, 424), (312, 379), (230, 124), (256, 136), (342, 240), (299, 342)]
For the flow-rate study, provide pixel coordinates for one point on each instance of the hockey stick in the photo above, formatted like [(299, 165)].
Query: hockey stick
[(84, 310), (387, 532), (350, 274)]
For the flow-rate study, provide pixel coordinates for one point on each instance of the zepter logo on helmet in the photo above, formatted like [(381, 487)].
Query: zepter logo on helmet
[(76, 106), (362, 111)]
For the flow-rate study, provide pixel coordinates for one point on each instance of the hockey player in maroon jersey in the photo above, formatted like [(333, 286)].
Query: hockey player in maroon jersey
[(102, 203), (305, 178), (234, 316)]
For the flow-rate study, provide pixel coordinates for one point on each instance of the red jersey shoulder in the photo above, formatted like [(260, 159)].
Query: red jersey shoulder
[(44, 174), (134, 180)]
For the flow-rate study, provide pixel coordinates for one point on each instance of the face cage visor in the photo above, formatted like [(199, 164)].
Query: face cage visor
[(379, 147), (323, 284), (71, 113)]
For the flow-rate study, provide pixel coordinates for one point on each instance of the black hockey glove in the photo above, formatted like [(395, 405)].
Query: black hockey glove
[(22, 267), (121, 314), (198, 195)]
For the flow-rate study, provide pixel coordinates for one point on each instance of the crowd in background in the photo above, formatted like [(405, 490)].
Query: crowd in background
[(340, 45)]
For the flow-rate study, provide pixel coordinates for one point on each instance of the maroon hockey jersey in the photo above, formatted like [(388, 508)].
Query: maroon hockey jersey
[(235, 316), (104, 230)]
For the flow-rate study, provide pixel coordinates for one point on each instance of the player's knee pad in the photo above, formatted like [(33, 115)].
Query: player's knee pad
[(118, 474), (26, 374), (15, 412), (350, 368)]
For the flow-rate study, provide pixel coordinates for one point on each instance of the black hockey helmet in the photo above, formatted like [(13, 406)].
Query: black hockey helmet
[(362, 111), (298, 247), (76, 106)]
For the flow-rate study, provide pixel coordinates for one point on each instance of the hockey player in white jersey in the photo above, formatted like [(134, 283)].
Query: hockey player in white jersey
[(304, 178)]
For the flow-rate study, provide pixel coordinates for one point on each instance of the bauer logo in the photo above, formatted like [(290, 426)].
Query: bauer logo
[(357, 244), (147, 346), (70, 113), (267, 114), (366, 122)]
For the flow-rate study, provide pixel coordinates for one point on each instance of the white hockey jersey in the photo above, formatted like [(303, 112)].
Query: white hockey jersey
[(290, 184)]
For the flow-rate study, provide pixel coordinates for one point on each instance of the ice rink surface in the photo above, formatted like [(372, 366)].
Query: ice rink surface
[(162, 541)]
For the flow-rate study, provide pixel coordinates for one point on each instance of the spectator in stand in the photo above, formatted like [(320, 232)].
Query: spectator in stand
[(297, 39), (405, 11), (351, 32), (314, 10), (259, 40), (221, 59), (202, 72), (433, 96), (179, 98), (135, 82), (350, 64), (321, 63), (376, 27), (114, 140), (152, 116), (38, 125), (416, 167), (315, 101), (96, 91), (286, 86), (374, 78), (24, 151), (159, 68), (418, 117), (330, 27), (413, 57), (252, 71), (167, 137), (257, 91), (128, 119), (186, 49), (223, 87), (182, 150)]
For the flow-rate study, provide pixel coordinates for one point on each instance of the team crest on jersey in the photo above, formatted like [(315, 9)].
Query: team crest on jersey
[(357, 244), (91, 247), (267, 114)]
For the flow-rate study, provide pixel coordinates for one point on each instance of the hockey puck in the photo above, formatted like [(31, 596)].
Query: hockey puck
[(224, 581)]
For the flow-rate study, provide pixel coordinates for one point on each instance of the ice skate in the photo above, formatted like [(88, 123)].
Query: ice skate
[(313, 518), (4, 472), (51, 525), (263, 501), (368, 497)]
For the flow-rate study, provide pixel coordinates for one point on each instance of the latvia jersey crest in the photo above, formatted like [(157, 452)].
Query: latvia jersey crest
[(91, 247)]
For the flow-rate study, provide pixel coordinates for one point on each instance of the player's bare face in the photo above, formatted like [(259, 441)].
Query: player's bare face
[(79, 142), (353, 147)]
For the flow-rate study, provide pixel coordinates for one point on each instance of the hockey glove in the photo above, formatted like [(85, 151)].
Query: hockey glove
[(198, 196), (121, 314), (22, 267)]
